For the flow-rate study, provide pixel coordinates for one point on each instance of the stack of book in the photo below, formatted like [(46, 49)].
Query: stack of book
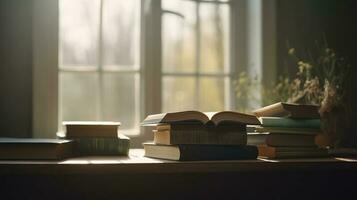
[(289, 131), (193, 135), (96, 138)]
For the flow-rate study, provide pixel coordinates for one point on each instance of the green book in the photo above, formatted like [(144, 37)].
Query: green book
[(289, 122)]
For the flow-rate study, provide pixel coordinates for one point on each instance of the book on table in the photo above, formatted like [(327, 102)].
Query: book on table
[(284, 140), (200, 134), (291, 110), (214, 118), (96, 138), (194, 152), (35, 149), (98, 129), (291, 152)]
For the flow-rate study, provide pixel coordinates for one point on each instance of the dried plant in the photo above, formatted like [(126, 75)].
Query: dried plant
[(320, 80)]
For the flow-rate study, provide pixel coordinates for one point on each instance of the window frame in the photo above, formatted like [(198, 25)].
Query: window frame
[(45, 58)]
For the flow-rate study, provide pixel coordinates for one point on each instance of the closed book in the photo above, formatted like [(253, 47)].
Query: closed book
[(291, 152), (80, 129), (118, 146), (285, 140), (196, 133), (200, 152), (35, 149), (169, 137), (282, 109), (290, 123), (285, 130)]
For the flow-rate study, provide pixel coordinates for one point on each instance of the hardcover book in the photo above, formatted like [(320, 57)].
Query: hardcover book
[(214, 118), (285, 130), (79, 129), (290, 123), (170, 137), (118, 146), (289, 110), (291, 152), (200, 152), (283, 140), (35, 149)]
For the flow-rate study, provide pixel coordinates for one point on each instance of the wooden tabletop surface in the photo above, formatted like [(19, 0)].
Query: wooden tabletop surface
[(137, 163)]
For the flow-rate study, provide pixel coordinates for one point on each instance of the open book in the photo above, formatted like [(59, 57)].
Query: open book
[(204, 118)]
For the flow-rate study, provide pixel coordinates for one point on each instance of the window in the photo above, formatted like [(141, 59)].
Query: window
[(196, 72), (122, 60), (99, 71)]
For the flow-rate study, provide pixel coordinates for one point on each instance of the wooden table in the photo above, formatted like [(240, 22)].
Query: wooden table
[(140, 177)]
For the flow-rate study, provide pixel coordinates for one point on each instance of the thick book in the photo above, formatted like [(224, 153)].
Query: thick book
[(196, 133), (214, 118), (281, 109), (118, 146), (79, 129), (290, 123), (170, 137), (282, 140), (291, 152), (200, 152), (35, 149)]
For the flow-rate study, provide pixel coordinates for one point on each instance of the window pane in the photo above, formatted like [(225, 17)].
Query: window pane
[(79, 96), (178, 36), (121, 33), (78, 28), (120, 99), (178, 93), (214, 37), (211, 94)]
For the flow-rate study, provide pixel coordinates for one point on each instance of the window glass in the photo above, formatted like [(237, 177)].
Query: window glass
[(121, 99), (178, 94), (78, 32), (98, 39), (79, 96), (214, 36), (120, 33), (178, 36)]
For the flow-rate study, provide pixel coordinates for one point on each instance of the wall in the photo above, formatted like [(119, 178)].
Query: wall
[(301, 22), (15, 68)]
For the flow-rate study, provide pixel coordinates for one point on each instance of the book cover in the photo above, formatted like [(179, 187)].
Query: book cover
[(285, 130), (290, 123), (282, 109)]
